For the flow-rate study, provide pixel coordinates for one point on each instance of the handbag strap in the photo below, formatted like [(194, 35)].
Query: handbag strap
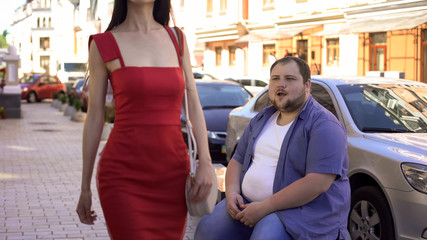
[(191, 142)]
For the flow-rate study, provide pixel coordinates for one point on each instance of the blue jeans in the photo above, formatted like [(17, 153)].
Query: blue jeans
[(220, 226)]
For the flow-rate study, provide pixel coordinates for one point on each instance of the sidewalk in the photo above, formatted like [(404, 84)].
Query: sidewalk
[(40, 171)]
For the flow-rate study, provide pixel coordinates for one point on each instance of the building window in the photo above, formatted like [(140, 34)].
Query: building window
[(268, 54), (424, 56), (44, 43), (44, 62), (50, 22), (378, 52), (38, 22), (333, 51), (209, 7), (301, 1), (223, 7), (218, 51), (268, 4), (232, 55), (302, 49)]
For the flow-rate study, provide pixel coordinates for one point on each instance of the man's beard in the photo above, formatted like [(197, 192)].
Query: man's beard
[(291, 106)]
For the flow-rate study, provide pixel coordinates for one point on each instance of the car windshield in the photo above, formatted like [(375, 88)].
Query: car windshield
[(78, 84), (29, 79), (222, 96), (387, 107)]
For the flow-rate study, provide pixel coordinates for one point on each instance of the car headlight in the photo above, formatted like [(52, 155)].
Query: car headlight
[(416, 175), (25, 89)]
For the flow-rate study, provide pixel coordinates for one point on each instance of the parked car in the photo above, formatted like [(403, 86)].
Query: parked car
[(253, 84), (204, 76), (77, 87), (83, 93), (386, 124), (218, 98), (36, 87)]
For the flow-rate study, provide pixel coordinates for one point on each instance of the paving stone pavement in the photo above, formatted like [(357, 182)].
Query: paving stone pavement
[(40, 171)]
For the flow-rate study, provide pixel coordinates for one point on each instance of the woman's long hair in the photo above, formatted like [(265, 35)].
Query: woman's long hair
[(161, 12)]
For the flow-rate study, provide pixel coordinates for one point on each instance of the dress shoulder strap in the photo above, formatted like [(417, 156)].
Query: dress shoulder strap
[(176, 36), (107, 46)]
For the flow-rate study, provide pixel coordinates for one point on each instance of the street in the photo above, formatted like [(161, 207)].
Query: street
[(40, 172)]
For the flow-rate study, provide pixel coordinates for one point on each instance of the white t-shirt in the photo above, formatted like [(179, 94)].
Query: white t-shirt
[(258, 182)]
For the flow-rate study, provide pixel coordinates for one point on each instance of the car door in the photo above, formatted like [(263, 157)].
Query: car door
[(54, 86), (43, 87)]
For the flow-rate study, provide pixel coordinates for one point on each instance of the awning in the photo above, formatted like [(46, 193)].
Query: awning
[(333, 29), (273, 34), (389, 22), (381, 23)]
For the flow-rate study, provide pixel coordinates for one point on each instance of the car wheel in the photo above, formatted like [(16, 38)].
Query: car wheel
[(32, 97), (370, 216)]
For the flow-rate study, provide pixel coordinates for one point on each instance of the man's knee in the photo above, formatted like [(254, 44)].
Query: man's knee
[(270, 228), (219, 225), (204, 229)]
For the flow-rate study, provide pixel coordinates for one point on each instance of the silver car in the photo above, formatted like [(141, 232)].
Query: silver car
[(386, 124)]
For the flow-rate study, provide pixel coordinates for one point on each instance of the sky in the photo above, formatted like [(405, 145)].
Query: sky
[(7, 9)]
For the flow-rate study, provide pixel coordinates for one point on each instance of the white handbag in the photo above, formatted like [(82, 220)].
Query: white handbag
[(204, 207)]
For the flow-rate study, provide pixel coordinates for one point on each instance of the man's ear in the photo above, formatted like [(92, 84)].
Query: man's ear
[(307, 85)]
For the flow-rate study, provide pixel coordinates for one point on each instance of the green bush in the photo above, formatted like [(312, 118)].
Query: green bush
[(55, 95), (77, 104), (64, 99), (109, 114), (71, 100)]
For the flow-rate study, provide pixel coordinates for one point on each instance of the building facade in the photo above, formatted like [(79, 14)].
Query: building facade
[(241, 37), (346, 37), (48, 32)]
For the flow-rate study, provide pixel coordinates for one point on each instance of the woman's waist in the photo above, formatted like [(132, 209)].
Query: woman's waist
[(129, 118)]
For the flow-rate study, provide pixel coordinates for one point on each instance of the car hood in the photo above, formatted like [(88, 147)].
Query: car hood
[(413, 145), (217, 119)]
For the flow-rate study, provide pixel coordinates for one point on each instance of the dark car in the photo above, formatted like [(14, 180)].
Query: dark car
[(82, 92), (218, 98), (204, 76), (77, 86), (36, 87)]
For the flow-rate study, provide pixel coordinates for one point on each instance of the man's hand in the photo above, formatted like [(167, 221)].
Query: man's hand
[(234, 204), (252, 213)]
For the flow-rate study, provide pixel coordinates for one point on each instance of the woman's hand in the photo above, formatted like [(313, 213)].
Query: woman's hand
[(86, 215), (201, 187), (234, 204)]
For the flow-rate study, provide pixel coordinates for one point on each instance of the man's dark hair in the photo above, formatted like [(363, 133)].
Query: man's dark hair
[(303, 67), (161, 12)]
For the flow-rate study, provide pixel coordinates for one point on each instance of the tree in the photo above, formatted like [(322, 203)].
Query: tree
[(3, 42)]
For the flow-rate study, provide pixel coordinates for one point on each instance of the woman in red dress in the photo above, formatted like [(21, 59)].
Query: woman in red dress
[(142, 171)]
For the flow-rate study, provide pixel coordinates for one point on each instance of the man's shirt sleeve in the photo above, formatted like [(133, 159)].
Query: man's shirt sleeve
[(327, 148)]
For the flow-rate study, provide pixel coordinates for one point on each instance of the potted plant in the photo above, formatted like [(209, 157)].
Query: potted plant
[(64, 105), (77, 104), (78, 116), (70, 110), (2, 112)]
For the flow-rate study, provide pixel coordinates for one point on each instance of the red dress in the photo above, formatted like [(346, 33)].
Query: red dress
[(143, 167)]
